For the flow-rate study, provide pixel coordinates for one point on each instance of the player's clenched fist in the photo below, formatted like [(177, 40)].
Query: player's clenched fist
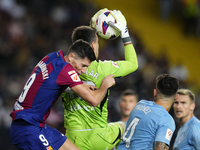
[(108, 81)]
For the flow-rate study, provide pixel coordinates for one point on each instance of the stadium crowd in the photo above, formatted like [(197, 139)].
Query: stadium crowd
[(31, 29)]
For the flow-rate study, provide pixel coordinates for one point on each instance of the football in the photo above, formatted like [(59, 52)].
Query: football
[(102, 27)]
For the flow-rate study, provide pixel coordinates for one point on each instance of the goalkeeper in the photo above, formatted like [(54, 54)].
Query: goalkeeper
[(86, 126)]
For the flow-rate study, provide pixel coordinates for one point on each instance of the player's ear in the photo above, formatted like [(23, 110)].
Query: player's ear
[(192, 107), (176, 97), (154, 92), (71, 56), (93, 45)]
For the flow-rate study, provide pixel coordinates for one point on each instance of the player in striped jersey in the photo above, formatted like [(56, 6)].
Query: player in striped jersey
[(50, 77), (188, 137)]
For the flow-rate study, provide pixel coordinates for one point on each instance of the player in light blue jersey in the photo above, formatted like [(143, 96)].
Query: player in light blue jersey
[(188, 137), (150, 127), (129, 99)]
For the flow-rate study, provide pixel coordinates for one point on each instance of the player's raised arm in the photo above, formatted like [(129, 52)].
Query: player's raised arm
[(130, 64), (130, 55), (93, 98)]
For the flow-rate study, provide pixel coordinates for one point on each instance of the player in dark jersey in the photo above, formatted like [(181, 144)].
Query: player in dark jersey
[(50, 77)]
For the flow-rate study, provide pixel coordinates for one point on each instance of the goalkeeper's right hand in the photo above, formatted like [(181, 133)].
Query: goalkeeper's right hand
[(94, 18), (120, 26)]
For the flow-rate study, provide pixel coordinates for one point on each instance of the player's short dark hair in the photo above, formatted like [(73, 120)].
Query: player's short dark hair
[(85, 33), (82, 49), (129, 92), (167, 84)]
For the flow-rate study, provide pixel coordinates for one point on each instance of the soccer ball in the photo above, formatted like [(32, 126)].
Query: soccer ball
[(102, 27)]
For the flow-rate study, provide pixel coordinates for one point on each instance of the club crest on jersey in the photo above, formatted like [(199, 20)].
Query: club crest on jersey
[(75, 77), (115, 64), (49, 148), (168, 134), (71, 72)]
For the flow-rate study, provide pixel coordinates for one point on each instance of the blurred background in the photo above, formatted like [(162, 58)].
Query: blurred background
[(165, 34)]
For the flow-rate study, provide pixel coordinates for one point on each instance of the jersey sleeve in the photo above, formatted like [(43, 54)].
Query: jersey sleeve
[(68, 76), (124, 67), (196, 137), (165, 130)]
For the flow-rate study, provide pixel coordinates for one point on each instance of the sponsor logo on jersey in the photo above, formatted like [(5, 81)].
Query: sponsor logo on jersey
[(115, 64), (71, 72), (75, 77), (49, 148), (168, 134)]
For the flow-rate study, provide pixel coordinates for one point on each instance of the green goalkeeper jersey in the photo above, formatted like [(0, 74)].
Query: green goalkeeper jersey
[(78, 115)]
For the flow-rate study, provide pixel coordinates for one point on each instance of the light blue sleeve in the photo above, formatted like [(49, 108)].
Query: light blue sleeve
[(165, 130), (196, 136)]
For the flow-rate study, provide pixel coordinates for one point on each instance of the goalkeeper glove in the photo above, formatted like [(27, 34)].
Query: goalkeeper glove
[(120, 26)]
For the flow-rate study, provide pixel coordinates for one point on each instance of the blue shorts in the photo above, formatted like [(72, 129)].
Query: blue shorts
[(30, 137)]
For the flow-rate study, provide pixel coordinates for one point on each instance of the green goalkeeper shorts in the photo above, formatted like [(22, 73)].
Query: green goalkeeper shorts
[(96, 139)]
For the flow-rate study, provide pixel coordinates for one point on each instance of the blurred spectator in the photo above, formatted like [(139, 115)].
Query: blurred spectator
[(190, 14), (180, 71), (5, 121), (165, 9)]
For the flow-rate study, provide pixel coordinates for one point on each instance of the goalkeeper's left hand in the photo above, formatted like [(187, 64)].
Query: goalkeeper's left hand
[(120, 26), (94, 18)]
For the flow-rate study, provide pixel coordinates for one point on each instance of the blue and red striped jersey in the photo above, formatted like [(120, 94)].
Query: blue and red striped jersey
[(50, 77)]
